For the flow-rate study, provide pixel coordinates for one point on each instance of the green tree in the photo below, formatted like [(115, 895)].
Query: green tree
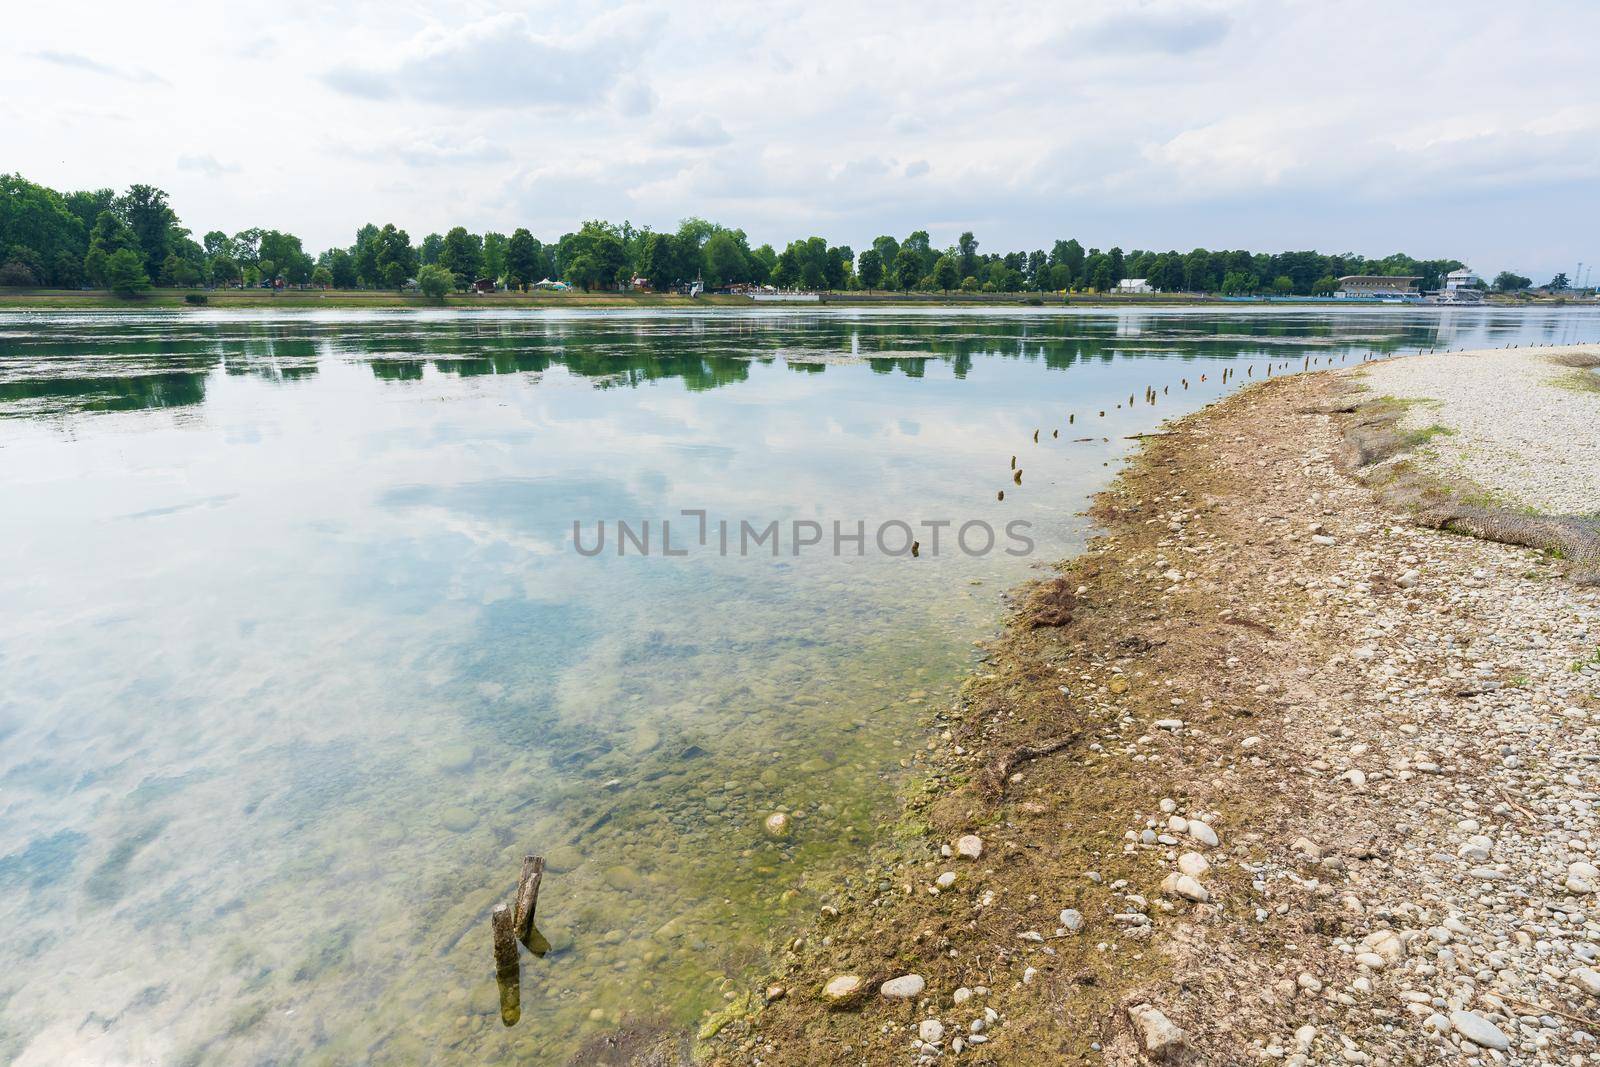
[(321, 276), (462, 255), (179, 272), (1507, 282), (946, 275), (908, 267), (125, 274), (435, 281), (870, 268), (39, 231), (665, 261), (111, 235), (153, 222), (340, 265), (394, 260), (967, 248), (432, 246), (524, 259), (724, 259), (1558, 283), (494, 255)]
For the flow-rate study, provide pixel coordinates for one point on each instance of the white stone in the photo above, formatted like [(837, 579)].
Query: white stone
[(1478, 1030), (1589, 979), (931, 1031), (969, 846), (903, 988), (1193, 864), (1072, 920), (1160, 1038), (842, 987), (945, 880), (1202, 833)]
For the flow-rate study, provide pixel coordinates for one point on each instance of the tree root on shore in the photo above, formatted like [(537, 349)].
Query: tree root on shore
[(998, 773)]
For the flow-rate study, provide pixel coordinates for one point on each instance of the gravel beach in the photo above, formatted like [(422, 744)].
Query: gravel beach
[(1522, 424), (1270, 774)]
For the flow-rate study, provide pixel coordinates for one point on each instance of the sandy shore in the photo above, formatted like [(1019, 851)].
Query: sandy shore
[(1270, 774)]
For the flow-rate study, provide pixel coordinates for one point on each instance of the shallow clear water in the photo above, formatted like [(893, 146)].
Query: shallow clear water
[(299, 657)]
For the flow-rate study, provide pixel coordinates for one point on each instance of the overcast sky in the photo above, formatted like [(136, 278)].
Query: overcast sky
[(1468, 129)]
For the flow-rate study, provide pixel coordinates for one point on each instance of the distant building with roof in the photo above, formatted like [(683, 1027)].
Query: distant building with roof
[(1134, 285), (1462, 279), (1379, 287)]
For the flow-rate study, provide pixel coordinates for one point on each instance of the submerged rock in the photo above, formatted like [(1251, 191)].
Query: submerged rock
[(457, 819)]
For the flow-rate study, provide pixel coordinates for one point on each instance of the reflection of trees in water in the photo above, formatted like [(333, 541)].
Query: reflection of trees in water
[(164, 364), (163, 390)]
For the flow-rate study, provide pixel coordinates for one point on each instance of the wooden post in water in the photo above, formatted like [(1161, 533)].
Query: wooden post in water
[(506, 963), (528, 894)]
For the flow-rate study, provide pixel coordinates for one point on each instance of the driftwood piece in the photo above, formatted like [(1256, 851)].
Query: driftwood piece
[(528, 894), (999, 772), (505, 941)]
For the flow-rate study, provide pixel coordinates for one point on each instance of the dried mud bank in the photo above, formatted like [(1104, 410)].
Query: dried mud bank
[(1269, 774)]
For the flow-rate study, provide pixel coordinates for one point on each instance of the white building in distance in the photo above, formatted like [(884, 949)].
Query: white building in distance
[(1134, 285)]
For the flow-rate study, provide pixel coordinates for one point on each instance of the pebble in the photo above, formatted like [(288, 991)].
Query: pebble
[(969, 846), (931, 1031), (842, 987), (1479, 1031), (905, 987), (1072, 920)]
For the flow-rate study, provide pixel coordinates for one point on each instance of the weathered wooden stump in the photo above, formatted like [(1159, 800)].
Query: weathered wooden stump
[(528, 894), (505, 941)]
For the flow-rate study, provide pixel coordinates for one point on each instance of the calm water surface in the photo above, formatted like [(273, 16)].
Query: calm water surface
[(299, 659)]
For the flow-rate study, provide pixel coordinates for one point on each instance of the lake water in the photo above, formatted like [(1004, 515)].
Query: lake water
[(299, 656)]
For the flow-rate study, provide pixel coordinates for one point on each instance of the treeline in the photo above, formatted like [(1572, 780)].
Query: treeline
[(131, 241)]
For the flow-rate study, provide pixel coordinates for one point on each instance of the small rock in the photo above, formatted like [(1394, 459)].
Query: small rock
[(1193, 864), (776, 825), (969, 846), (1159, 1037), (945, 880), (1589, 979), (842, 988), (931, 1031), (1202, 833), (1072, 920), (903, 988), (1478, 1030)]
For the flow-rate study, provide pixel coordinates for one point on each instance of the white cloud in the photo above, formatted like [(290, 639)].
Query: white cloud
[(207, 164), (1173, 29), (1364, 126), (703, 131), (76, 62), (499, 62), (422, 149)]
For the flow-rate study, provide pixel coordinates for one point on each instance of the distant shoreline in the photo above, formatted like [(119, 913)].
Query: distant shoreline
[(256, 299)]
